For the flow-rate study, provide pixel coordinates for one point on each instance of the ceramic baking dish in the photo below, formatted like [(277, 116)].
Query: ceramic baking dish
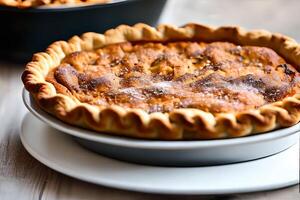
[(27, 31), (174, 153)]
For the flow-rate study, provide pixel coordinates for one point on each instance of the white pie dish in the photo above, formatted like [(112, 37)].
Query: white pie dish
[(174, 153)]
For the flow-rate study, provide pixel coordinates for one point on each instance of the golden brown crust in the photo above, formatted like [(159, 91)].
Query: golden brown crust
[(36, 3), (179, 124), (160, 77)]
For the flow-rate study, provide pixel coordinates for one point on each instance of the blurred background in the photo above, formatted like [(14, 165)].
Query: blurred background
[(29, 30), (274, 15)]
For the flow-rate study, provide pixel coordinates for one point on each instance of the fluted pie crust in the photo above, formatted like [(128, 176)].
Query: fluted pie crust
[(269, 105)]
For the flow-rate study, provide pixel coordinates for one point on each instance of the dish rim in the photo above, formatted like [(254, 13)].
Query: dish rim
[(150, 144)]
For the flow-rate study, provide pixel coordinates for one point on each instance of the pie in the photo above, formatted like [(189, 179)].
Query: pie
[(170, 83), (36, 3)]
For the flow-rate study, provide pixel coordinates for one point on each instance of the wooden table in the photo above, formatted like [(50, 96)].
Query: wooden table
[(22, 177)]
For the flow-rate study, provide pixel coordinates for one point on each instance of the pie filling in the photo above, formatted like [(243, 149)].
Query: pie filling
[(160, 77)]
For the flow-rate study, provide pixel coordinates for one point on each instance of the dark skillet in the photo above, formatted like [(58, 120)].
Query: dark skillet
[(26, 31)]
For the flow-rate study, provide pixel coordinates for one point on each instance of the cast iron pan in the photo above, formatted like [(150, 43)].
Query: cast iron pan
[(26, 31)]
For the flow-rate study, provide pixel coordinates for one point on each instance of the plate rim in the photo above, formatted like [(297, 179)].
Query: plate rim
[(114, 184), (149, 144)]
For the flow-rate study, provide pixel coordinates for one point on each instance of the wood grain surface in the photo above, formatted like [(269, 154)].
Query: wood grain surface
[(22, 177)]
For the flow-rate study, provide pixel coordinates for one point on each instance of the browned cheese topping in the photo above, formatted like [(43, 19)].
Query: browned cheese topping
[(156, 77)]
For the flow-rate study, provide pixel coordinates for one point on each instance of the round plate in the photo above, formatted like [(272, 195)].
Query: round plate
[(61, 153), (174, 153)]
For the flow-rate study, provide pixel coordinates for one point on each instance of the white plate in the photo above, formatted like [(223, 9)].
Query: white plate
[(174, 153), (61, 153)]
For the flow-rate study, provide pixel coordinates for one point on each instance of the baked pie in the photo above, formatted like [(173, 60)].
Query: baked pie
[(170, 83), (36, 3)]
